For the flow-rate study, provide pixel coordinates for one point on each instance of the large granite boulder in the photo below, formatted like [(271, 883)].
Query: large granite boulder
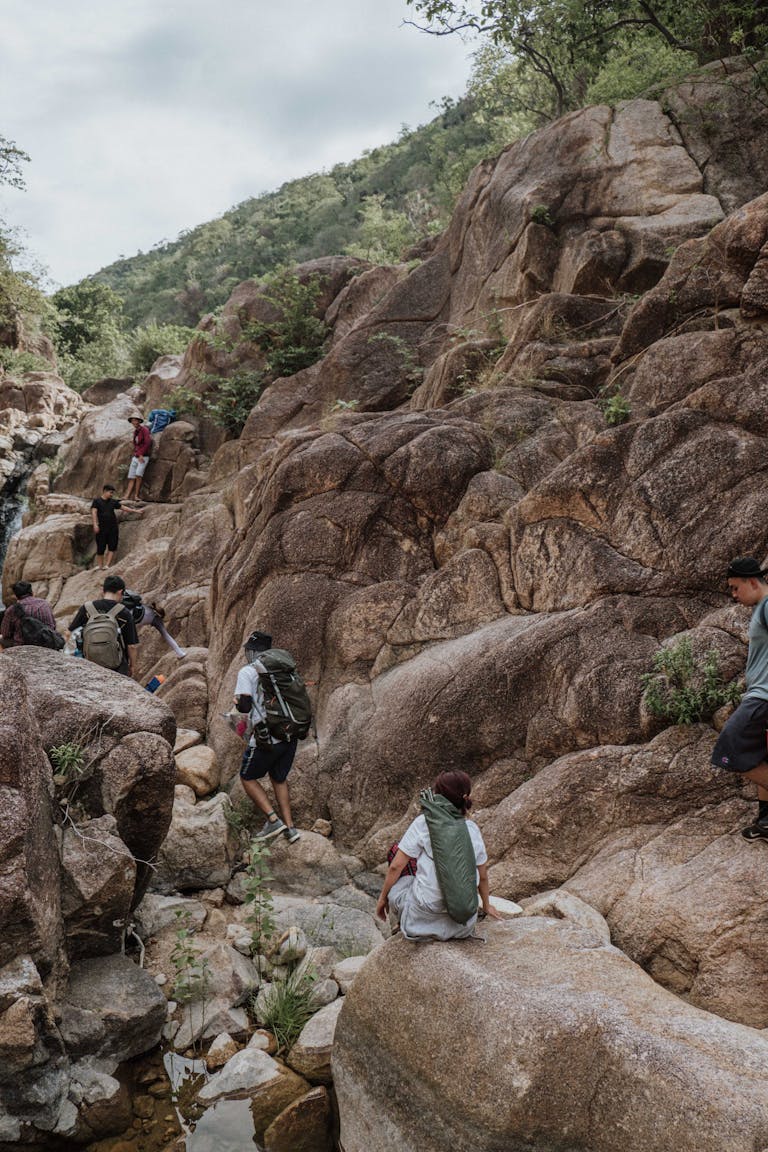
[(30, 899), (561, 1040)]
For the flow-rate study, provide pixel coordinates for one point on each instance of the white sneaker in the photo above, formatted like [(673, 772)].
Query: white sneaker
[(291, 834)]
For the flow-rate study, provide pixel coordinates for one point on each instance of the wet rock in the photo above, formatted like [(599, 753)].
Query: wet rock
[(304, 1126)]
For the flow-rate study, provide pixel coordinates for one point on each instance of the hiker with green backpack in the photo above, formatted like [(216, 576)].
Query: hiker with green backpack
[(271, 693), (439, 867), (109, 631)]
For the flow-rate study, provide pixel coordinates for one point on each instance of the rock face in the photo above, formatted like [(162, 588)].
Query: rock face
[(76, 853), (473, 565), (580, 1048)]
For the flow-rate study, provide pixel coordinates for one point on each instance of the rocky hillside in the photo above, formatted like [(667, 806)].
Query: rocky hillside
[(472, 566)]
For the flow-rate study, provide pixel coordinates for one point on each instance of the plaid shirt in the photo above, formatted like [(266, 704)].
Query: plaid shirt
[(10, 633)]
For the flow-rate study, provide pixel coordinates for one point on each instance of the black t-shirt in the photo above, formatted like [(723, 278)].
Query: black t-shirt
[(125, 620), (105, 513)]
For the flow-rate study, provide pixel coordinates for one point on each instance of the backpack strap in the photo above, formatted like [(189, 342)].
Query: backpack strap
[(113, 613), (90, 610)]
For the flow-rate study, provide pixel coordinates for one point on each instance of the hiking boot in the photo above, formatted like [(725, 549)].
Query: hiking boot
[(271, 829), (756, 831), (292, 835)]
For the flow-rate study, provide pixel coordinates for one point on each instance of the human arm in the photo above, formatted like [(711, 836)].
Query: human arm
[(399, 861), (79, 619), (485, 896), (131, 654), (95, 519)]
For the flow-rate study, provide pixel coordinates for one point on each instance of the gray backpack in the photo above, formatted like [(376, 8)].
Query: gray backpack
[(101, 637)]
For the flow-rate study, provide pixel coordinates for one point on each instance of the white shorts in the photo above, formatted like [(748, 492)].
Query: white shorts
[(137, 466)]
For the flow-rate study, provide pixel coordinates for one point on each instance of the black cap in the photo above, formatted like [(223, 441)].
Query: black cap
[(745, 567), (258, 642)]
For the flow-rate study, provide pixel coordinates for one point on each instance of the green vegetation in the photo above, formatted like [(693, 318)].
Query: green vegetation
[(68, 761), (258, 898), (293, 339), (190, 968), (615, 408), (683, 689), (565, 53), (152, 341), (287, 1005), (375, 208)]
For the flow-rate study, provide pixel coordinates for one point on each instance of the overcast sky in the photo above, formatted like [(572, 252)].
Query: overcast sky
[(145, 117)]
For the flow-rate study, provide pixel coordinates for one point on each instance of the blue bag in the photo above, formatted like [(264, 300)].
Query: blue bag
[(160, 418)]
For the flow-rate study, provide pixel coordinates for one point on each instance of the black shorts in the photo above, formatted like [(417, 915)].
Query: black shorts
[(106, 541), (275, 761), (741, 745)]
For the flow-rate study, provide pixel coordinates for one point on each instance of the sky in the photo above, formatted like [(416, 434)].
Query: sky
[(146, 117)]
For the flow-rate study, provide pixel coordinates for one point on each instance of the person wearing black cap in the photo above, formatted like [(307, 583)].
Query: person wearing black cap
[(265, 755), (741, 746)]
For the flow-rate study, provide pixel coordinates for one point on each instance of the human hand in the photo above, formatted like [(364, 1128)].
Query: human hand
[(491, 913), (382, 907)]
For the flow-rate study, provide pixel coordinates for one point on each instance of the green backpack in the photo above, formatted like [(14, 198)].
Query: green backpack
[(453, 855)]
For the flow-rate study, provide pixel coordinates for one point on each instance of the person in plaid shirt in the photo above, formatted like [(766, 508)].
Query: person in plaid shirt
[(26, 605)]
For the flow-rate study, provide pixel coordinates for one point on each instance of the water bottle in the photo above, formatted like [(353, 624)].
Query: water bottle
[(155, 683)]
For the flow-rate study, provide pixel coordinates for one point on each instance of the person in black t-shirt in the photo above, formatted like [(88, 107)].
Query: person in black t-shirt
[(104, 511), (113, 589)]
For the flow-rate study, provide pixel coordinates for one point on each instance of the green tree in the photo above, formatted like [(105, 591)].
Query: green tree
[(23, 306), (562, 44), (85, 313), (89, 338), (151, 341)]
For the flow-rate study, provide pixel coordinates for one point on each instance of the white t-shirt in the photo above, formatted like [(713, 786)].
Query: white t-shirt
[(248, 684), (417, 844)]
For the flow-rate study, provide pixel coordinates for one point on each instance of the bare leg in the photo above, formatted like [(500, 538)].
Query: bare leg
[(760, 776), (157, 623), (128, 490), (254, 790), (283, 802), (108, 558)]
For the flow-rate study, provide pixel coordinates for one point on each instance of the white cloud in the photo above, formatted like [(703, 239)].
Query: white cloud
[(143, 119)]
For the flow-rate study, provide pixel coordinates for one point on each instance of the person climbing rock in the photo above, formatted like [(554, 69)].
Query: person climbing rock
[(104, 510), (438, 898), (142, 446), (741, 746), (26, 605), (266, 755), (151, 615), (109, 631)]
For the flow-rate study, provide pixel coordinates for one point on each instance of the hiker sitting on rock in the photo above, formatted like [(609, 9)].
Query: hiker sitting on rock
[(741, 745), (109, 633), (438, 898), (265, 754), (26, 605)]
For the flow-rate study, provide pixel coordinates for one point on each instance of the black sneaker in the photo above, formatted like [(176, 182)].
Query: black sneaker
[(756, 831)]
